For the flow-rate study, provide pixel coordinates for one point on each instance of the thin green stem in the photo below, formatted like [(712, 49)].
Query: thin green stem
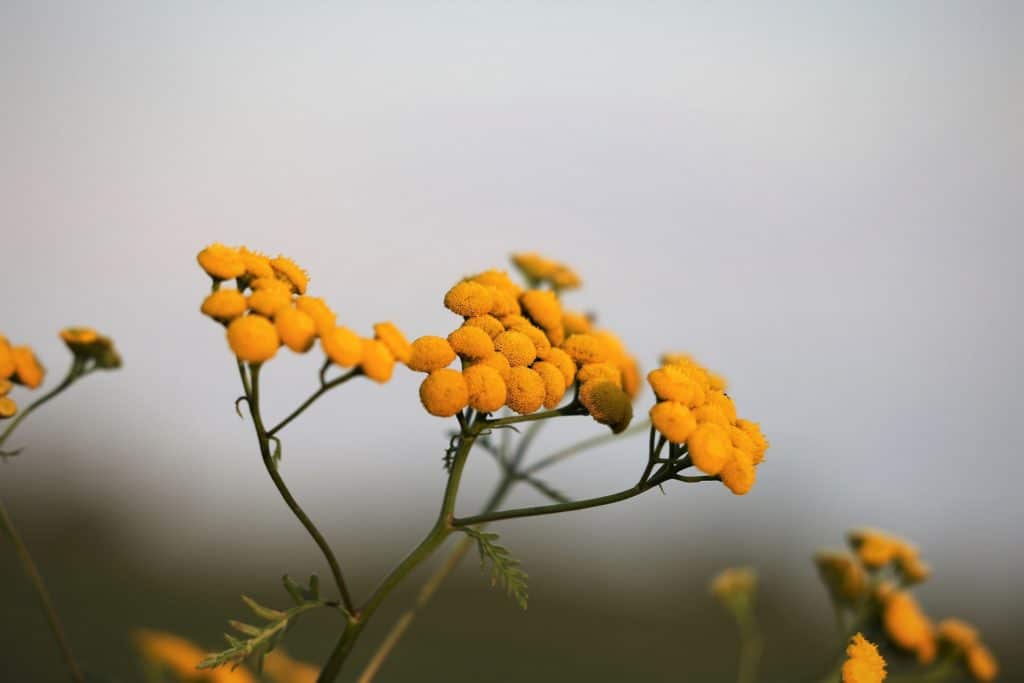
[(74, 372), (573, 408), (539, 510), (751, 648), (44, 595), (324, 388), (592, 442)]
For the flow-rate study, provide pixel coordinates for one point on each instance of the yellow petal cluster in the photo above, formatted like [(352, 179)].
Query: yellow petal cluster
[(444, 392), (180, 657), (863, 663), (19, 365), (908, 626), (540, 270), (842, 574)]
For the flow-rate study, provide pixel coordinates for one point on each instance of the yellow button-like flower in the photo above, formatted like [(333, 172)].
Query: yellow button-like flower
[(739, 473), (542, 307), (671, 383), (6, 358), (271, 283), (253, 338), (256, 264), (516, 347), (267, 302), (753, 430), (709, 413), (526, 390), (343, 346), (285, 268), (221, 262), (982, 664), (503, 303), (444, 392), (79, 338), (513, 320), (488, 323), (554, 383), (842, 574), (487, 390), (471, 343), (561, 360), (430, 353), (875, 548), (607, 372), (392, 337), (5, 386), (498, 279), (533, 266), (296, 329), (540, 340), (224, 305), (317, 309), (710, 447), (914, 569), (723, 403), (863, 664), (497, 362), (469, 299), (673, 420), (585, 348), (958, 633), (8, 408), (608, 404), (376, 360), (565, 277), (907, 625), (576, 323), (27, 368)]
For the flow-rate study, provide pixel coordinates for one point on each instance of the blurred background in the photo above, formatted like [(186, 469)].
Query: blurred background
[(820, 200)]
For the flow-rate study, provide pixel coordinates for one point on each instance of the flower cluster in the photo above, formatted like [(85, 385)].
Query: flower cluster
[(539, 270), (269, 307), (863, 663), (518, 348), (693, 409)]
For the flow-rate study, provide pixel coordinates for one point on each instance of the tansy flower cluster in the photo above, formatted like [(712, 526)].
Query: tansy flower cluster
[(268, 308), (539, 270), (519, 349), (863, 663), (693, 409)]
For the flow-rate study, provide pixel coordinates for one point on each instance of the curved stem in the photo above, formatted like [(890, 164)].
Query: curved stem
[(74, 372), (592, 442), (538, 510), (324, 388), (573, 408), (44, 595), (268, 461)]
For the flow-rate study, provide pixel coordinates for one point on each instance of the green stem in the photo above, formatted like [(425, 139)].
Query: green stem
[(74, 372), (538, 510), (44, 595), (592, 442), (253, 396), (573, 408), (324, 388), (751, 648)]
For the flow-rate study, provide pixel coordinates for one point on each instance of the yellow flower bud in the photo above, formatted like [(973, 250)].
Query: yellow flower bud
[(526, 390), (28, 371), (753, 430), (430, 353), (5, 386), (6, 358), (842, 575), (533, 266), (576, 323), (487, 390), (503, 303), (543, 307), (561, 360), (469, 299), (224, 305), (554, 383), (540, 340), (267, 302), (376, 360), (221, 262), (471, 342), (959, 634), (488, 323), (982, 663), (863, 664), (317, 309), (287, 269), (8, 408), (585, 348), (608, 404), (498, 363), (78, 338), (392, 337), (516, 347), (444, 392), (296, 329), (709, 413), (673, 420), (253, 338), (499, 280), (256, 264), (907, 625), (723, 403), (710, 447), (739, 473), (342, 346), (670, 383), (607, 372)]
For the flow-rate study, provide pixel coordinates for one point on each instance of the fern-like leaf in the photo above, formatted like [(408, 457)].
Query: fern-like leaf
[(505, 570)]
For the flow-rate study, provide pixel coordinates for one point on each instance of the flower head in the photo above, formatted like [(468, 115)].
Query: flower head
[(471, 343), (268, 301), (542, 307), (8, 408), (526, 389), (673, 420), (516, 347), (376, 361), (488, 323), (842, 574), (342, 346), (585, 348), (958, 633), (710, 447), (430, 353), (863, 664), (27, 368), (295, 328), (444, 392), (735, 587), (256, 264), (253, 338), (317, 309), (739, 473), (468, 299), (392, 337), (486, 388), (6, 358), (907, 626), (982, 664), (224, 305), (554, 383), (608, 404), (221, 262), (289, 271)]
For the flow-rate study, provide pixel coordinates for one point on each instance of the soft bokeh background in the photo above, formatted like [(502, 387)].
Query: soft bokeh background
[(822, 200)]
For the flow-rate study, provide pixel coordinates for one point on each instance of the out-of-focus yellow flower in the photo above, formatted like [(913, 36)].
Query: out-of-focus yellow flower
[(576, 323), (710, 447), (488, 323), (5, 386), (863, 663), (376, 361), (982, 664), (444, 392), (842, 574), (585, 348), (487, 390), (469, 299), (430, 353), (565, 277), (516, 347), (8, 408), (542, 307), (498, 279), (739, 473), (875, 548), (540, 340), (296, 329), (608, 404), (270, 283), (253, 338), (561, 360), (673, 420), (343, 346), (533, 266), (606, 372), (526, 390), (471, 343), (504, 303), (27, 368), (6, 358), (554, 383), (753, 430), (224, 305), (221, 262), (256, 264), (723, 403), (734, 583), (958, 633), (670, 383), (287, 269), (907, 626), (181, 656), (708, 413), (496, 362), (79, 338), (267, 302), (317, 309), (281, 668), (392, 337)]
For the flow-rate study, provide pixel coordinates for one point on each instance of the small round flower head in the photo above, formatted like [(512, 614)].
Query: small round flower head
[(710, 447), (5, 386), (6, 358), (554, 383), (516, 347), (224, 305), (468, 299), (671, 383), (533, 266), (673, 420), (295, 328), (874, 548), (914, 569), (565, 277), (80, 338), (513, 320), (561, 360), (606, 372), (982, 664), (487, 390), (540, 340), (444, 392), (503, 303), (608, 404), (863, 663), (8, 408), (430, 353), (907, 626), (526, 390), (267, 302), (717, 382), (376, 360), (542, 306), (842, 575), (343, 346), (739, 473), (317, 309), (270, 283), (723, 403), (556, 335), (221, 262), (632, 377), (576, 323), (734, 583), (488, 323), (499, 280), (392, 337), (471, 343), (288, 270), (256, 264), (753, 430), (585, 348), (28, 371), (958, 633), (497, 362), (709, 413), (253, 338), (741, 440)]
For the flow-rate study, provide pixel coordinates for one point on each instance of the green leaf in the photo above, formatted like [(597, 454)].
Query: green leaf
[(505, 570)]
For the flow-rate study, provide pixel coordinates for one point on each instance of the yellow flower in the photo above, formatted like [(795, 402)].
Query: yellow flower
[(540, 340), (27, 368), (739, 473), (253, 338), (585, 348), (516, 347), (283, 669), (5, 387), (392, 337), (317, 309), (487, 390), (270, 283), (430, 353), (709, 413), (296, 329), (607, 372), (444, 392), (710, 447), (256, 264), (875, 548), (181, 656), (723, 403), (376, 360), (526, 390), (982, 663), (576, 323), (673, 420), (503, 303), (565, 277), (267, 302), (342, 346), (863, 664), (469, 299), (913, 568), (561, 360), (958, 633), (533, 266), (496, 362), (753, 430), (488, 323), (8, 407), (471, 342), (498, 279), (741, 440), (671, 383), (842, 574), (554, 383), (6, 358), (290, 271), (221, 262), (907, 625), (224, 305), (733, 583), (79, 338), (608, 404), (542, 307)]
